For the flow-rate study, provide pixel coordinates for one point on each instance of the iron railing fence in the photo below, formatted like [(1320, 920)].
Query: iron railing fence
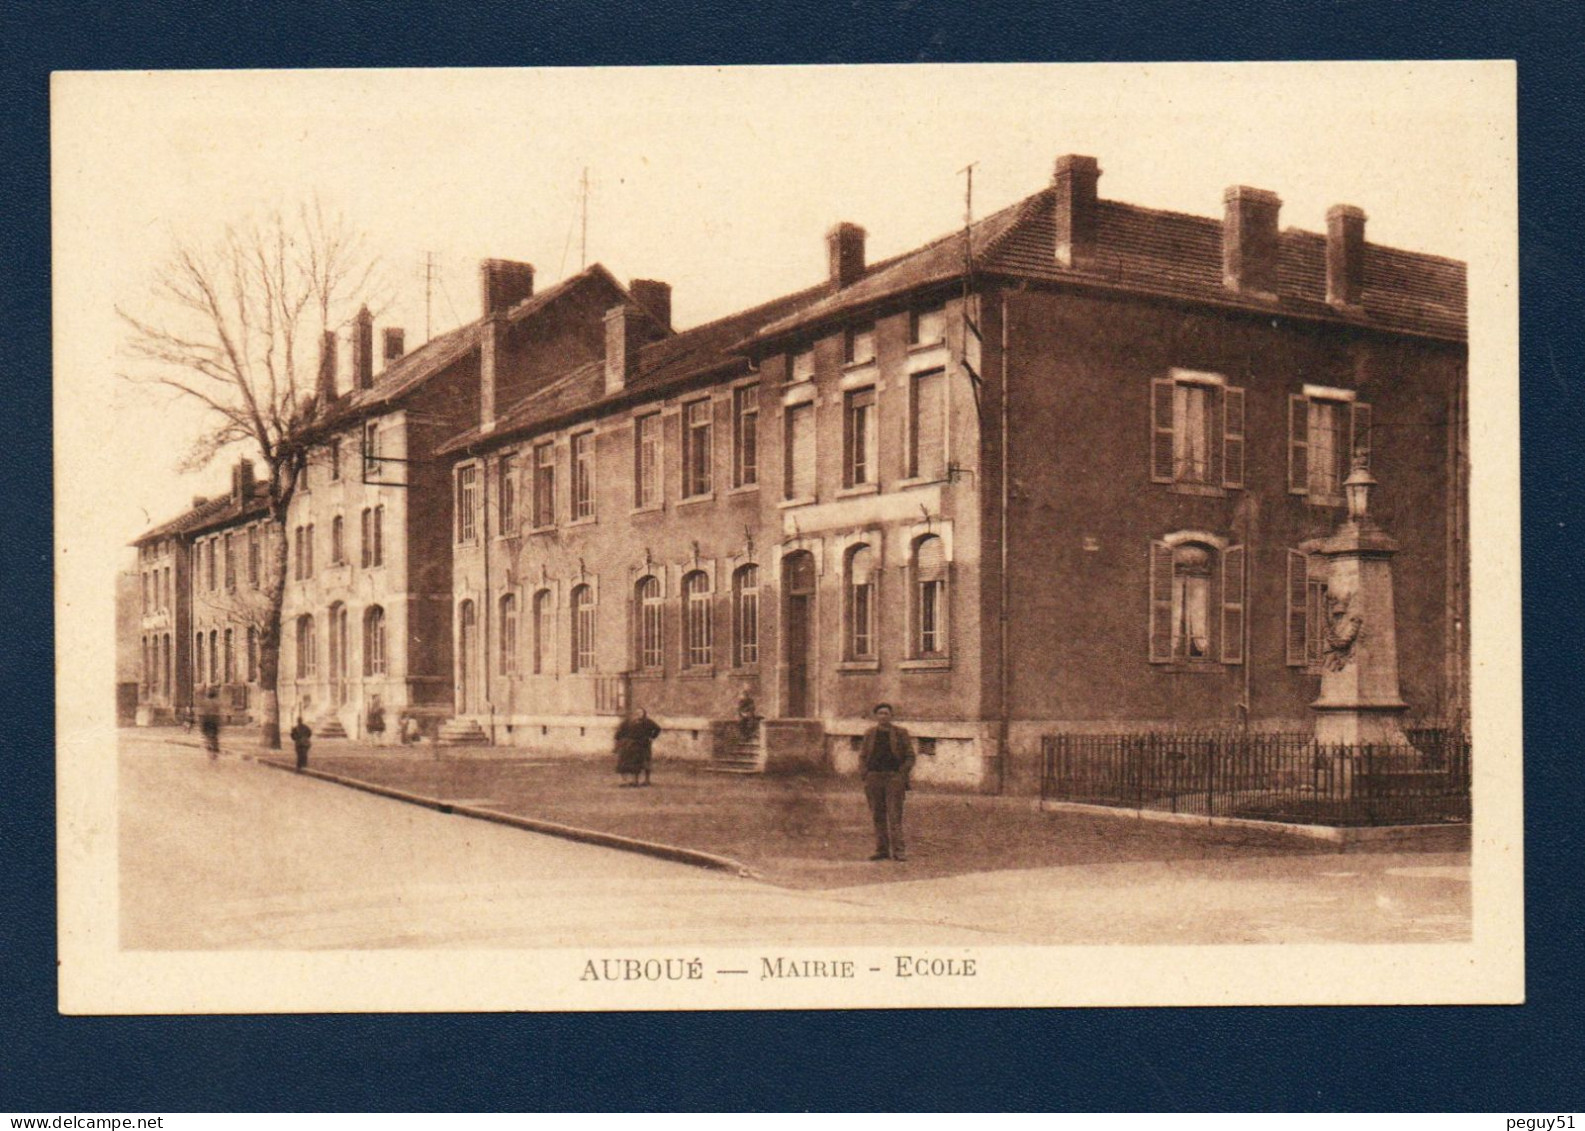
[(1265, 776)]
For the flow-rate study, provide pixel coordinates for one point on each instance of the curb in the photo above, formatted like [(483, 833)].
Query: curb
[(1411, 837), (674, 853)]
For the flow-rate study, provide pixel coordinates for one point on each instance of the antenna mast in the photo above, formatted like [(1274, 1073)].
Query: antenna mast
[(429, 290), (583, 239), (969, 325)]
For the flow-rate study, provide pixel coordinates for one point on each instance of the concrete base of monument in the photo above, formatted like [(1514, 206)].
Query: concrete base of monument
[(1354, 724)]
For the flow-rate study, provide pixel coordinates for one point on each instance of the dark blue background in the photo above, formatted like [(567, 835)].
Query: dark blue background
[(1521, 1059)]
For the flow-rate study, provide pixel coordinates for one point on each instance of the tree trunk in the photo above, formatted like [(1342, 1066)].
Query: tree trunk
[(270, 641)]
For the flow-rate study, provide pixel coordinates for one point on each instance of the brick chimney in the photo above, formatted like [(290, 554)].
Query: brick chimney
[(1073, 186), (655, 297), (503, 283), (394, 341), (1345, 256), (363, 349), (327, 367), (242, 482), (845, 251), (627, 329), (1249, 241)]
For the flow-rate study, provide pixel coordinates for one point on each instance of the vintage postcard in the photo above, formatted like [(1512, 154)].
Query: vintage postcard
[(787, 537)]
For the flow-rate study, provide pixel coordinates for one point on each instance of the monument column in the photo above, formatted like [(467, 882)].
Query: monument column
[(1359, 704)]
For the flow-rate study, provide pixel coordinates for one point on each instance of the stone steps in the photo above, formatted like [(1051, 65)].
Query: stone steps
[(462, 732), (739, 758)]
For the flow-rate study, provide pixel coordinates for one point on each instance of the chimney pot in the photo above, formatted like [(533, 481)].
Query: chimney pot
[(1345, 255), (1249, 241), (363, 349), (655, 297), (1073, 184), (845, 252), (503, 283)]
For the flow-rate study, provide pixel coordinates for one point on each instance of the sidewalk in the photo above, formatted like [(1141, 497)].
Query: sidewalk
[(800, 832)]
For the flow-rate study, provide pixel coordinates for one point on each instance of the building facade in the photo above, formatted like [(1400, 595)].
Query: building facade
[(1063, 471), (366, 627)]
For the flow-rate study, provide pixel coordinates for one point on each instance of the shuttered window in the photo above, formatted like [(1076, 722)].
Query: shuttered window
[(1196, 599), (647, 597), (1197, 432), (927, 456), (860, 603), (1325, 435), (800, 449)]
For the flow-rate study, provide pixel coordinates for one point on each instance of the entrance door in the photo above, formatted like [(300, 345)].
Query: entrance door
[(798, 587), (467, 662)]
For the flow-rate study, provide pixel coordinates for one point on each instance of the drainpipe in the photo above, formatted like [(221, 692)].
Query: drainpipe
[(1004, 672), (489, 599)]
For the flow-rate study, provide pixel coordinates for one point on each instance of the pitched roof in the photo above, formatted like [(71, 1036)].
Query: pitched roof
[(1160, 253), (415, 369), (670, 363), (210, 514)]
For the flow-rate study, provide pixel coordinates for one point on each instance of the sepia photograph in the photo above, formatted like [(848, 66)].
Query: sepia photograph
[(787, 537)]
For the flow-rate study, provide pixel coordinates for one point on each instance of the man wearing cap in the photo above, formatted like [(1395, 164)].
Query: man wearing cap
[(886, 760)]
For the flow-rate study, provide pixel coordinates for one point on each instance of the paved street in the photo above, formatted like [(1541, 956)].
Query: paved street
[(238, 855)]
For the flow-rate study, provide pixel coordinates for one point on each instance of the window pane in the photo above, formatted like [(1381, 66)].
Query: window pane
[(746, 591), (1191, 433), (646, 461), (583, 475)]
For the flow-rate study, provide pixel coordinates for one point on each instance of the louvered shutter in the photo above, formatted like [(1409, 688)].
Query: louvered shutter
[(1160, 603), (1232, 437), (1233, 605), (1361, 433), (1161, 389), (1298, 595), (1298, 444), (929, 426)]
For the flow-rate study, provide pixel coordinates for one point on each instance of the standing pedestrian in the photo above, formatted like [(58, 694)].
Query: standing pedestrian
[(634, 746), (887, 760), (302, 735), (209, 722)]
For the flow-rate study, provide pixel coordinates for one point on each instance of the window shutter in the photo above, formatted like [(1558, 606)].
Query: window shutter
[(1361, 433), (1298, 596), (1161, 429), (1298, 444), (1233, 605), (929, 426), (1160, 603), (1232, 437)]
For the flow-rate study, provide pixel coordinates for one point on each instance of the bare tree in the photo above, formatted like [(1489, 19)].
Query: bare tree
[(237, 326)]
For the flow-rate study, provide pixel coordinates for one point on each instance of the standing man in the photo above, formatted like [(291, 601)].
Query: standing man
[(887, 760)]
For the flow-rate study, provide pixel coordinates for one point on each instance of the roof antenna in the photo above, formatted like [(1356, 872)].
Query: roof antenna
[(583, 239), (969, 326)]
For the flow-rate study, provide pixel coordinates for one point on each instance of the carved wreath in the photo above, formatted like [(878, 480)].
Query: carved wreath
[(1344, 631)]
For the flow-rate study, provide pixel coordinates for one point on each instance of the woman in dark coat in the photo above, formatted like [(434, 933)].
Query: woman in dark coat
[(634, 739)]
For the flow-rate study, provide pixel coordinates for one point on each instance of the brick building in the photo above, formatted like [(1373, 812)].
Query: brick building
[(366, 629), (201, 584), (1063, 471)]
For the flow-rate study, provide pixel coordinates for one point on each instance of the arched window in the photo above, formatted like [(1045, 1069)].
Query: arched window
[(699, 634), (374, 640), (165, 665), (230, 667), (253, 655), (148, 669), (745, 616), (583, 629), (860, 603), (1196, 600), (214, 656), (307, 648), (508, 634), (541, 629), (338, 549), (647, 599), (930, 598), (198, 659)]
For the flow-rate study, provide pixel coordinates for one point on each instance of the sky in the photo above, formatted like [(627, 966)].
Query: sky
[(719, 181)]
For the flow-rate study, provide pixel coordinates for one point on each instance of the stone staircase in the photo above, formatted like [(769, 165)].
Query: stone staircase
[(735, 756), (462, 732), (329, 727)]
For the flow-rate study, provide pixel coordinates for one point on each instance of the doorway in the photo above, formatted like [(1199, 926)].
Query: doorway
[(467, 661), (798, 589)]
